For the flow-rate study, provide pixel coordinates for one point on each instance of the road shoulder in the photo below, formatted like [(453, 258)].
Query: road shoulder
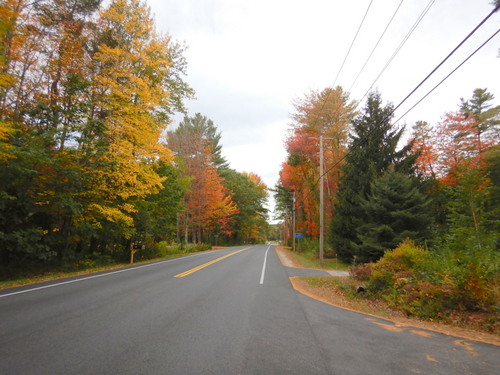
[(338, 300)]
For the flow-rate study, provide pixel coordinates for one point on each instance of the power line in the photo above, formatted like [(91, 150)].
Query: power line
[(449, 55), (445, 78), (376, 45), (403, 42), (342, 66), (352, 43), (425, 79), (363, 140)]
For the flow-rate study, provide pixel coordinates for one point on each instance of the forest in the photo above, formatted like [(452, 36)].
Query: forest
[(91, 166), (417, 217), (93, 169)]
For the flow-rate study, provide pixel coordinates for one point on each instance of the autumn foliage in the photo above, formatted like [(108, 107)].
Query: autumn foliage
[(325, 113), (87, 90)]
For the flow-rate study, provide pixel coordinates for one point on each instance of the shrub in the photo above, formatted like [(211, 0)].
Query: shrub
[(470, 260), (307, 245), (425, 299), (361, 272), (431, 285), (401, 263)]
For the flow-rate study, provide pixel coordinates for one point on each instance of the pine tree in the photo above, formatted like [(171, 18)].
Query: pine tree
[(372, 151), (209, 206), (396, 209), (205, 130)]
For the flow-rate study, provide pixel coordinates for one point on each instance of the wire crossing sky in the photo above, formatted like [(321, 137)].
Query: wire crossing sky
[(249, 60)]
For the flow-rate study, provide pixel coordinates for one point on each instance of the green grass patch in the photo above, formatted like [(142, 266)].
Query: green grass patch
[(311, 260)]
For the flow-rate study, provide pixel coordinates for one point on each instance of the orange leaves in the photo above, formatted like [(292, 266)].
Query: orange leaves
[(208, 204), (325, 113), (452, 149)]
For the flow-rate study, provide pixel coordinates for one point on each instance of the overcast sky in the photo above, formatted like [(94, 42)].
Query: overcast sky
[(249, 59)]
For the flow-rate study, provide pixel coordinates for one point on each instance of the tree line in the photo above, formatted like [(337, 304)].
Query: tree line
[(440, 190), (87, 90), (443, 180)]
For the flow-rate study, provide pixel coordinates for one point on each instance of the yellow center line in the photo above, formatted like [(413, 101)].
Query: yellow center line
[(193, 270)]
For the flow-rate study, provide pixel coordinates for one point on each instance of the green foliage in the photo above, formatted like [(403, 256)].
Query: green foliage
[(250, 196), (472, 261), (82, 165), (284, 202), (395, 209), (460, 276), (372, 152), (157, 214)]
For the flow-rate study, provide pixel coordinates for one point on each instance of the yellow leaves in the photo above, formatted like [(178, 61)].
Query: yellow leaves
[(112, 214), (5, 131), (132, 65)]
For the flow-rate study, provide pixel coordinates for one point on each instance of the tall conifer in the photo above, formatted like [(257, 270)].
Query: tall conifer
[(373, 149)]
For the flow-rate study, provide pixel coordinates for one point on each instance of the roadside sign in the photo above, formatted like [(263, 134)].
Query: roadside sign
[(299, 235)]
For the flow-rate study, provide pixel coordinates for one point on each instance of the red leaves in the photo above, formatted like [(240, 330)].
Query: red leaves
[(325, 113), (452, 149)]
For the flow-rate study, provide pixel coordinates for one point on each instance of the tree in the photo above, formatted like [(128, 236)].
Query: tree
[(85, 94), (422, 139), (249, 194), (321, 113), (209, 206), (487, 119), (396, 209), (208, 135), (373, 150), (158, 214), (44, 50)]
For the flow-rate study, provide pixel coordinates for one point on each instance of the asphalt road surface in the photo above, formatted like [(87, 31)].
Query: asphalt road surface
[(230, 311)]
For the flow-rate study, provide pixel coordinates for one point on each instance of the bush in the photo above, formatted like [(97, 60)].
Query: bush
[(361, 272), (431, 285), (307, 245), (425, 299), (398, 266), (164, 250), (470, 260)]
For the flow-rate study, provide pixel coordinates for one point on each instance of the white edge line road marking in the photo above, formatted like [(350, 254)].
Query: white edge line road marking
[(96, 276), (264, 267)]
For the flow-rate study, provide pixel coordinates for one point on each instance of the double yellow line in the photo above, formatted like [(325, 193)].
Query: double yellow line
[(193, 270)]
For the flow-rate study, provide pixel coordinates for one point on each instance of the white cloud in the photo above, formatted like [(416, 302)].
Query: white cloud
[(248, 60)]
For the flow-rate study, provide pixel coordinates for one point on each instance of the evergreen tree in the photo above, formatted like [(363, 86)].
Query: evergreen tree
[(487, 117), (372, 151), (396, 209), (205, 130)]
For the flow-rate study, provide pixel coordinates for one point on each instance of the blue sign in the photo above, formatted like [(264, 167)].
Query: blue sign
[(299, 235)]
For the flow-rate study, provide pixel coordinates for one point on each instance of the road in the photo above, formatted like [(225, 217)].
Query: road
[(230, 311)]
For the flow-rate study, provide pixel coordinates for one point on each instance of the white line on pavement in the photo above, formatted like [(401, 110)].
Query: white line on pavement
[(264, 267), (96, 276)]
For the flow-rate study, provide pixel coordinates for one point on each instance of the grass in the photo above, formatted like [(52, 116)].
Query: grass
[(54, 275), (341, 291), (311, 260), (167, 253)]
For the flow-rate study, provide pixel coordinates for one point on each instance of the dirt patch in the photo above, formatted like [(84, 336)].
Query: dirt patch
[(285, 258), (335, 297)]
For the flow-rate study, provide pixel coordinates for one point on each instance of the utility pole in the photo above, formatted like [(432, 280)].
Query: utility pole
[(321, 199), (321, 202), (293, 222)]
